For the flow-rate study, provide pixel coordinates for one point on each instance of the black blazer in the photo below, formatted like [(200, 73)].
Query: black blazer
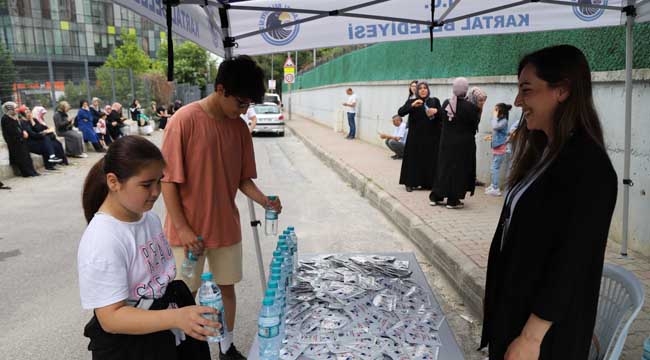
[(552, 258)]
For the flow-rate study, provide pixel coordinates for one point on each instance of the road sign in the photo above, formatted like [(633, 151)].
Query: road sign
[(289, 62), (289, 78)]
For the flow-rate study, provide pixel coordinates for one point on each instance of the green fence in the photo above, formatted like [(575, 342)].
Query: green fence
[(486, 55)]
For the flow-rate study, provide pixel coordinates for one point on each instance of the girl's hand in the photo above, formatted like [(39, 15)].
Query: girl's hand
[(417, 103), (25, 134), (432, 112), (189, 320), (523, 348)]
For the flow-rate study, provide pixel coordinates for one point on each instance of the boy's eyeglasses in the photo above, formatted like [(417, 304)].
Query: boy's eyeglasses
[(242, 104)]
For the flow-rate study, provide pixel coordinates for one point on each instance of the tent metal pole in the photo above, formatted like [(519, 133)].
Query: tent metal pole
[(258, 249), (627, 182)]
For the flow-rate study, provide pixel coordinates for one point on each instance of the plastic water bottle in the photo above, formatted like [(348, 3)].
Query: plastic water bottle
[(646, 349), (281, 291), (288, 264), (189, 264), (279, 302), (210, 295), (294, 239), (268, 330), (271, 219)]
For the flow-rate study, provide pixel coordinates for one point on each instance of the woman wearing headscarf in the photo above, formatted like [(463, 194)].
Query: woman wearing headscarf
[(74, 142), (457, 157), (86, 126), (421, 148), (41, 140), (478, 97), (16, 139), (38, 112)]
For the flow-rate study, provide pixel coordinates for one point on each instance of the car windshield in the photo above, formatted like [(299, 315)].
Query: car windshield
[(273, 99), (266, 109)]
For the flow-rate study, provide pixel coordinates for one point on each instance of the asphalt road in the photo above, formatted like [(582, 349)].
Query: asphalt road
[(42, 222)]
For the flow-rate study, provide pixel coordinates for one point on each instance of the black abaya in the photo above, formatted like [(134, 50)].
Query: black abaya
[(421, 149)]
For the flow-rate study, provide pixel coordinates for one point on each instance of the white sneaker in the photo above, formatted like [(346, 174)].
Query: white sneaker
[(83, 155), (494, 192), (488, 189)]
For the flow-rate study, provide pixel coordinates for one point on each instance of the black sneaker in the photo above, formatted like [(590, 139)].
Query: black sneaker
[(54, 159), (231, 354)]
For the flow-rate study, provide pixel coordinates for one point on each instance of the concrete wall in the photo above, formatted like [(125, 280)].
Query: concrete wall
[(378, 101)]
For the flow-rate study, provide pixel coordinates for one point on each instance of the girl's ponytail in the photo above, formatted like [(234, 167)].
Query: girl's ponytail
[(95, 190)]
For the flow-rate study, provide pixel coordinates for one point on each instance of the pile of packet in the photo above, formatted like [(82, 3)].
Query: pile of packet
[(359, 307)]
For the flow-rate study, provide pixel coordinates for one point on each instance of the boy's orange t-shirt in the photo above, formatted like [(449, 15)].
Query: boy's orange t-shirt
[(207, 159)]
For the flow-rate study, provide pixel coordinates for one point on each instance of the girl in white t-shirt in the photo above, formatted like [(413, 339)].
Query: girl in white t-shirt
[(126, 266)]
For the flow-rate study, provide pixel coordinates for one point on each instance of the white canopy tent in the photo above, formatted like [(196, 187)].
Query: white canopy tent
[(266, 26)]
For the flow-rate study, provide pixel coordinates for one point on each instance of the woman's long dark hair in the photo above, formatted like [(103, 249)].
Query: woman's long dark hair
[(125, 158), (561, 65), (416, 88)]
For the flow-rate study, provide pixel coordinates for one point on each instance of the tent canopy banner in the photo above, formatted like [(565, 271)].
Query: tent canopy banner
[(398, 20), (191, 22), (271, 26)]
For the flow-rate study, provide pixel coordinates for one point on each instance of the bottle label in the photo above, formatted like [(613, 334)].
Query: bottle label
[(271, 215), (268, 332)]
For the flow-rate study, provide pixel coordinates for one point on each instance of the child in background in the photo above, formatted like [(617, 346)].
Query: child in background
[(126, 265), (101, 128), (498, 144)]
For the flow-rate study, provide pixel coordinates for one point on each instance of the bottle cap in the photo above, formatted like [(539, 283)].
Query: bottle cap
[(276, 264), (291, 228), (275, 277), (272, 197), (284, 247), (286, 232), (270, 292), (277, 253), (206, 276), (199, 238), (276, 270), (273, 284), (267, 301), (282, 237)]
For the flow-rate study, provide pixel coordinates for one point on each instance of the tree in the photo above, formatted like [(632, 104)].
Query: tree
[(129, 55), (126, 65), (190, 63), (7, 75)]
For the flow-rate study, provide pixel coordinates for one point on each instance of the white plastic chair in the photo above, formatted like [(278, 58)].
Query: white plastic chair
[(621, 297)]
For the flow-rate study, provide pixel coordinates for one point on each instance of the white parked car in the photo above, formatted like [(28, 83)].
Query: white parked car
[(269, 119), (272, 98)]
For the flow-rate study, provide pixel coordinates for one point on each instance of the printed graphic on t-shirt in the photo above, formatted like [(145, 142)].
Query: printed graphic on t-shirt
[(159, 261)]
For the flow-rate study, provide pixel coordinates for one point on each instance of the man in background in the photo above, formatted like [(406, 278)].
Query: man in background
[(396, 141)]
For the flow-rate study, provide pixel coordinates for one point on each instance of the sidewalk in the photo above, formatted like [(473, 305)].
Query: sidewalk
[(456, 241)]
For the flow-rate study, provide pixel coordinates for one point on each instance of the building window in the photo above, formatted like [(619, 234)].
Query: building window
[(67, 10), (46, 10), (22, 8)]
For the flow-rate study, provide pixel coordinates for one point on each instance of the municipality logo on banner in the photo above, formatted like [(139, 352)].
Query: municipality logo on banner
[(281, 34), (587, 13)]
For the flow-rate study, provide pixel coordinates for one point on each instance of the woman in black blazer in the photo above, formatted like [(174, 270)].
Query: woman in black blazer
[(546, 258)]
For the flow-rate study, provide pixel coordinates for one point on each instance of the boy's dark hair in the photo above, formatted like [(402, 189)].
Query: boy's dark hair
[(125, 158), (241, 76)]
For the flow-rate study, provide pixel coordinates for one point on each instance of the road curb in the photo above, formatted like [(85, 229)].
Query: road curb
[(460, 270)]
